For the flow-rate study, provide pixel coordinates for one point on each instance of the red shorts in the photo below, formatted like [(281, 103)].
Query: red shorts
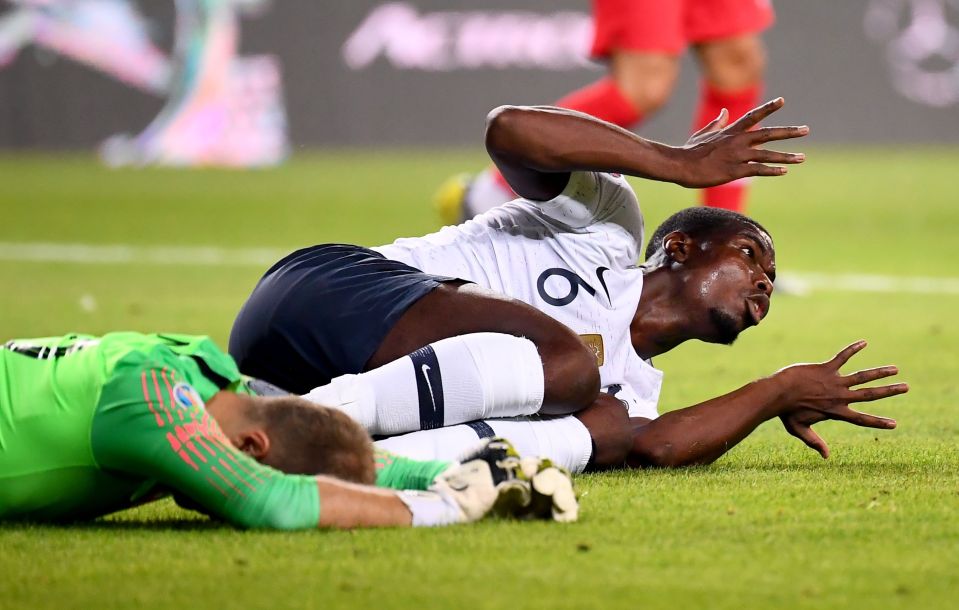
[(668, 26)]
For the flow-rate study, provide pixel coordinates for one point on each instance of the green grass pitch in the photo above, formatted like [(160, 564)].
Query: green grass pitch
[(770, 525)]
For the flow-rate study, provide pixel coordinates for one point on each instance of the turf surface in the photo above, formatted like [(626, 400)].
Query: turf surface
[(769, 525)]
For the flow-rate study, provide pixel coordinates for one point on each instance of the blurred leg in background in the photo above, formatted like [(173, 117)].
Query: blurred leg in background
[(642, 42)]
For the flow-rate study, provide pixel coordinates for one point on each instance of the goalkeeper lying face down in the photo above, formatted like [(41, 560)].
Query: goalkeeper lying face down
[(92, 425)]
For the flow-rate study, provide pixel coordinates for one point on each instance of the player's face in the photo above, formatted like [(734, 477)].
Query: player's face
[(733, 281)]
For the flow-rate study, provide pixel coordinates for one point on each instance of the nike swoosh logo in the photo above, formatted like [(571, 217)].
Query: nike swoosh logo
[(426, 375), (599, 274)]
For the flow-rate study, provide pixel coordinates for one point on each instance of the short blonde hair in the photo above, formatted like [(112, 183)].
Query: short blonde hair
[(306, 438)]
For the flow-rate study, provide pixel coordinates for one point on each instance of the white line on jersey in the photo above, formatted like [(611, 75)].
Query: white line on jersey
[(799, 283)]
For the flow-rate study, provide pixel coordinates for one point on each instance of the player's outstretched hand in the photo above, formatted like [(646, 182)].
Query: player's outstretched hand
[(817, 392), (720, 153)]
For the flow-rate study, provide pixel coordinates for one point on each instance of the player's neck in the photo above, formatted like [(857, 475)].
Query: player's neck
[(227, 409), (660, 322)]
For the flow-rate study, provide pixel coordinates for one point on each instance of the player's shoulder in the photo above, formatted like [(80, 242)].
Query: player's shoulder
[(593, 198), (169, 359), (603, 185), (615, 195)]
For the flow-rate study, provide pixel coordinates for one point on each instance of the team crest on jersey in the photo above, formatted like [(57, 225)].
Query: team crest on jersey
[(186, 396), (595, 345)]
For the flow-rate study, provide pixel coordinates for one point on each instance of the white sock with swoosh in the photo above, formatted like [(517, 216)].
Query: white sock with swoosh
[(455, 380)]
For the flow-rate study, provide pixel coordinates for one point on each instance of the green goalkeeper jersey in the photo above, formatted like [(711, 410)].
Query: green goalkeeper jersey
[(92, 425)]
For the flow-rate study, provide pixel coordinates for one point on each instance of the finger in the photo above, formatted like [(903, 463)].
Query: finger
[(758, 169), (754, 116), (865, 420), (861, 377), (772, 156), (847, 352), (878, 393), (807, 435), (716, 124), (772, 134)]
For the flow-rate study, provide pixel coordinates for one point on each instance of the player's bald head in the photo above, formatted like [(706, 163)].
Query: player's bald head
[(702, 222)]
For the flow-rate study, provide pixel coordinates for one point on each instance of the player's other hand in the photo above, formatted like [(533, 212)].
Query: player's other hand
[(812, 393), (720, 153)]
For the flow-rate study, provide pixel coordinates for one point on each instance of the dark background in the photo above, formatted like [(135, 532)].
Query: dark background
[(833, 75)]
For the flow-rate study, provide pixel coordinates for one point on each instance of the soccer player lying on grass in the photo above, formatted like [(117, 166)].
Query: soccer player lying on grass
[(534, 306), (92, 425)]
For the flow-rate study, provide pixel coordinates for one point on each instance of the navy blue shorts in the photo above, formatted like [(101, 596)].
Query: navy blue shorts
[(322, 312)]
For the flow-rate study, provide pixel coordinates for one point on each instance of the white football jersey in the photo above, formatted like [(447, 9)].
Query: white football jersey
[(573, 257)]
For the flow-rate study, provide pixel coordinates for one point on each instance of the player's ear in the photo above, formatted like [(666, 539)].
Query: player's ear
[(677, 246), (254, 443)]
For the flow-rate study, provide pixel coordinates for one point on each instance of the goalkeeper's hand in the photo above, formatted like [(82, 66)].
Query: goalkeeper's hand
[(494, 479)]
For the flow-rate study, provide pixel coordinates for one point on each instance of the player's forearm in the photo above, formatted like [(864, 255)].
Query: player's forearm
[(700, 434), (550, 139), (609, 430), (346, 506)]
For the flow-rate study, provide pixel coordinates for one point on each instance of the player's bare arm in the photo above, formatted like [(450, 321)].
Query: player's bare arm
[(801, 394), (459, 493), (535, 148), (345, 504)]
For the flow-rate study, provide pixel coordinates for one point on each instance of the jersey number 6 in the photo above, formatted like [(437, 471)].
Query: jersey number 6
[(574, 283)]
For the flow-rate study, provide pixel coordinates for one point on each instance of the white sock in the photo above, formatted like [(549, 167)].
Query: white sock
[(455, 380), (446, 444), (564, 440), (485, 193)]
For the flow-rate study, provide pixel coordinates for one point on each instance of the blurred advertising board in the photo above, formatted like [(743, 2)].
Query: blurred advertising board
[(242, 82)]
